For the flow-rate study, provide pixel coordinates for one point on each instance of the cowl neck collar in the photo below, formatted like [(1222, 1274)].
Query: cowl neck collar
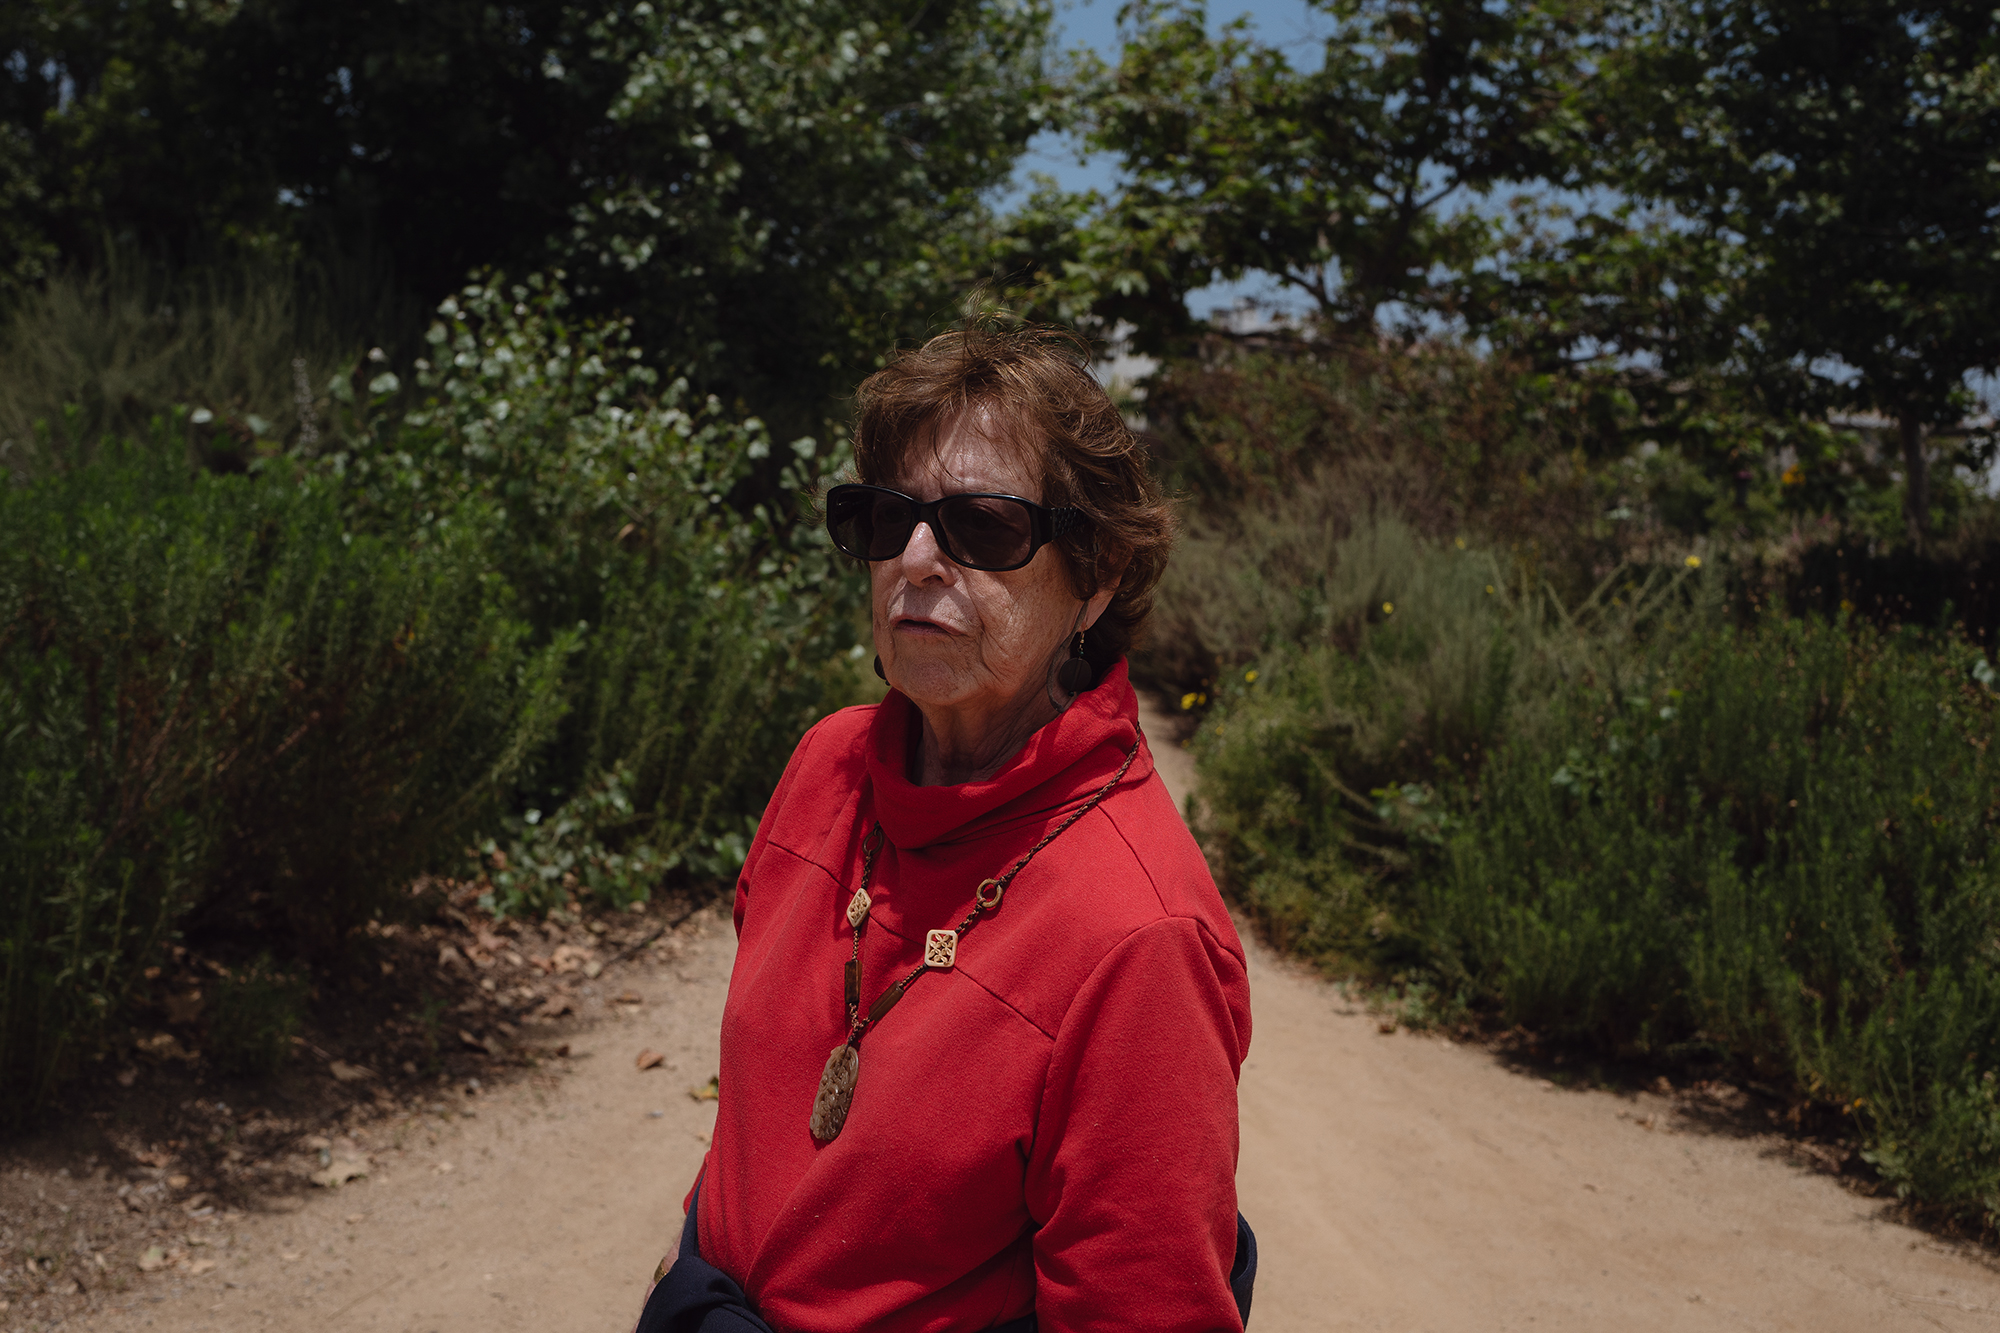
[(1067, 759)]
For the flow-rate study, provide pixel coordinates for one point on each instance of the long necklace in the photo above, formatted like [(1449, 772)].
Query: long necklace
[(843, 1063)]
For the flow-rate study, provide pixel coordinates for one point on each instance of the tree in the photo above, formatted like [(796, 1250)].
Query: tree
[(1850, 149), (775, 189), (1335, 181)]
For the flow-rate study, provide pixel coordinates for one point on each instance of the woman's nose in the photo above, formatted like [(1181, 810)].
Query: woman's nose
[(923, 558)]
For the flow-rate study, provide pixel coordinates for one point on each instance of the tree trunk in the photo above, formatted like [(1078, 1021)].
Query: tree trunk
[(1916, 477)]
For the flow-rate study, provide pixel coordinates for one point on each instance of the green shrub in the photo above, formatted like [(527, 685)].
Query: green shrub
[(712, 627), (1636, 828), (221, 708), (1391, 667), (258, 1009), (1283, 457), (1780, 846)]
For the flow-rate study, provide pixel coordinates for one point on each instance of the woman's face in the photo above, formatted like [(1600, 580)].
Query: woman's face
[(976, 645)]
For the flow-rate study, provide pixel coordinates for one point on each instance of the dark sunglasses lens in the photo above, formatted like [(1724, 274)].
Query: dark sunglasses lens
[(869, 524), (987, 531)]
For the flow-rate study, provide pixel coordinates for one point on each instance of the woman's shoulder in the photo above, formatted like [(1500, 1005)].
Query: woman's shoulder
[(834, 745), (1114, 890), (1168, 875), (823, 776), (845, 729)]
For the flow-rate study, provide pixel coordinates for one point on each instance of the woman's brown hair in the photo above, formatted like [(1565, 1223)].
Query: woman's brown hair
[(1031, 388)]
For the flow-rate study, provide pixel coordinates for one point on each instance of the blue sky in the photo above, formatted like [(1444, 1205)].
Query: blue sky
[(1291, 24)]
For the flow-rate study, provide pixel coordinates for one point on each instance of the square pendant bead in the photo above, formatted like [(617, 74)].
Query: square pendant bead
[(940, 948), (857, 908)]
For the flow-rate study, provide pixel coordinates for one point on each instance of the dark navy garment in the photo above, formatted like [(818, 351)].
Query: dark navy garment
[(697, 1297)]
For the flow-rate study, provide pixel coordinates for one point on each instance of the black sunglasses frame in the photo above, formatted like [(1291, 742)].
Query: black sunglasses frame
[(1045, 524)]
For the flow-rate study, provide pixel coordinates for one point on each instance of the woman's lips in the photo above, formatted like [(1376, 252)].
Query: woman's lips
[(911, 625)]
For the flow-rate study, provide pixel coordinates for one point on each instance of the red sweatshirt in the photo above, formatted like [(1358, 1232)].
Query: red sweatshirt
[(1050, 1125)]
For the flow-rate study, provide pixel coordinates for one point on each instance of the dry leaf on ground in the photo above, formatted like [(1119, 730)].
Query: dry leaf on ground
[(650, 1060), (569, 957), (348, 1073), (152, 1259), (489, 1045), (707, 1092)]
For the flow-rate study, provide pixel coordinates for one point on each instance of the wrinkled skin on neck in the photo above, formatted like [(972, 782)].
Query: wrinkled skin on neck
[(976, 651)]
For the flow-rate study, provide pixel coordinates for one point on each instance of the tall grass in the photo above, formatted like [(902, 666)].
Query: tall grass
[(95, 354)]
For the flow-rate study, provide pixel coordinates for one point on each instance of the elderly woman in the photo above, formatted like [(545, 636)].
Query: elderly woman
[(980, 1051)]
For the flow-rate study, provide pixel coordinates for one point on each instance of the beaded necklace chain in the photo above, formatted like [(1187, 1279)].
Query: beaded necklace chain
[(843, 1064)]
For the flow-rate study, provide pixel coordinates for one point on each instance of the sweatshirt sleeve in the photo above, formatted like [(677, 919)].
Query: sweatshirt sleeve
[(1133, 1173)]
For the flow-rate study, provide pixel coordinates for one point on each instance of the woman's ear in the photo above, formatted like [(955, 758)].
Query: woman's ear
[(1100, 601)]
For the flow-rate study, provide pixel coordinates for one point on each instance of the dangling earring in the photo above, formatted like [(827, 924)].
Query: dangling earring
[(880, 672), (1075, 675)]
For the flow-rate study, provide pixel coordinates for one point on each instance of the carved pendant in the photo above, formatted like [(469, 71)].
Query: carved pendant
[(836, 1093), (857, 908), (941, 948)]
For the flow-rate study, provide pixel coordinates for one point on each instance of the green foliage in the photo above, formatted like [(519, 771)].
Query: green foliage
[(1334, 181), (777, 189), (222, 706), (1844, 154), (1781, 845), (792, 187), (258, 1009), (1390, 668), (712, 625), (93, 354), (1285, 457), (1836, 146), (1636, 828)]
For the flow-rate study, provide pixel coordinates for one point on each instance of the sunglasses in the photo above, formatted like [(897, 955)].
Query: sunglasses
[(977, 530)]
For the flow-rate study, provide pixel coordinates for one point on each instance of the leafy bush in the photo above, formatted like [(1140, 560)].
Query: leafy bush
[(221, 708), (248, 704), (1781, 846), (1392, 667), (1635, 827), (711, 625)]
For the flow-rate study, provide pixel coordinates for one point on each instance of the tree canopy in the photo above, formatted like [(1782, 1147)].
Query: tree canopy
[(1850, 152), (774, 189), (1790, 204)]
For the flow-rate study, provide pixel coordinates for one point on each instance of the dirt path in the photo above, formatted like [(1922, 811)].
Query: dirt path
[(1396, 1182)]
